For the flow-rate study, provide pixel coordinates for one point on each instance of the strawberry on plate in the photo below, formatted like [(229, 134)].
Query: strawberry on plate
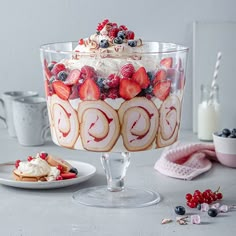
[(129, 88), (141, 77), (162, 89), (68, 175), (73, 77), (160, 75), (61, 89), (89, 90), (167, 62)]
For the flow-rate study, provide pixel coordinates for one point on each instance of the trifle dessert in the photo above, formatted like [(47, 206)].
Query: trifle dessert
[(114, 92)]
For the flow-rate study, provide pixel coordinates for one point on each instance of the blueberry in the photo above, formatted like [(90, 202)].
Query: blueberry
[(104, 43), (199, 206), (52, 79), (100, 82), (226, 132), (50, 66), (118, 40), (132, 43), (179, 210), (232, 136), (74, 170), (121, 34), (233, 131), (149, 89), (212, 212), (150, 75), (62, 75)]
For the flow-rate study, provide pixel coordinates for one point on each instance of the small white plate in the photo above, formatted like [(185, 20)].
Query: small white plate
[(85, 172)]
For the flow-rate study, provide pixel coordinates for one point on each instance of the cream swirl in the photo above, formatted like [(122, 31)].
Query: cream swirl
[(36, 167)]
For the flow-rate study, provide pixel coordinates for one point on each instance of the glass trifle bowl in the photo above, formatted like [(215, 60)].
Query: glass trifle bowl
[(114, 98)]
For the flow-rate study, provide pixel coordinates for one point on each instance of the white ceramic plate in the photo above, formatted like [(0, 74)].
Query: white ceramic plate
[(86, 171)]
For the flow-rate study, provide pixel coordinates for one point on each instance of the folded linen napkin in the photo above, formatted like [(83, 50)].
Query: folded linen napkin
[(186, 160)]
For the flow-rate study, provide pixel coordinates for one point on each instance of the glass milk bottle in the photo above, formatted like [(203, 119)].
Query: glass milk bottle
[(208, 112)]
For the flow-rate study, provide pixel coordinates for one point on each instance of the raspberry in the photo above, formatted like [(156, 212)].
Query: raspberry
[(122, 27), (113, 81), (87, 72), (129, 34), (57, 68), (17, 163), (113, 93), (60, 168), (43, 155), (113, 32), (81, 42), (59, 177), (127, 70), (30, 158)]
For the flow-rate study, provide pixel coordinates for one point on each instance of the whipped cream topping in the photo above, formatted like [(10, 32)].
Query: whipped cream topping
[(38, 167), (117, 40)]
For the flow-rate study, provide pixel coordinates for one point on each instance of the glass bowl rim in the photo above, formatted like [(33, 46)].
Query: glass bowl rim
[(178, 48)]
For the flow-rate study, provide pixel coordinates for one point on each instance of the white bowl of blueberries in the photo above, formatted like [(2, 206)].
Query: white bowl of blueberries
[(225, 146)]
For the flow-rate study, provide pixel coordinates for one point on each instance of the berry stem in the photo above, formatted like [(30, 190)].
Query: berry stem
[(217, 190)]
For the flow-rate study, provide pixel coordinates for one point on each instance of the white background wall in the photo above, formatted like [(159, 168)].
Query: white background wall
[(26, 24)]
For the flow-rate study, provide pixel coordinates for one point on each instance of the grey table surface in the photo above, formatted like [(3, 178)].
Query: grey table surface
[(52, 212)]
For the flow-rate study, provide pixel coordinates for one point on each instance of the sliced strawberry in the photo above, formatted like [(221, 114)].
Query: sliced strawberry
[(68, 175), (58, 68), (160, 75), (47, 72), (141, 77), (162, 89), (129, 88), (89, 90), (167, 62), (62, 90), (73, 77)]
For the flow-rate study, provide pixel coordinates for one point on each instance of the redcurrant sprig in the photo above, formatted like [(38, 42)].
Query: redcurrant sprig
[(208, 196)]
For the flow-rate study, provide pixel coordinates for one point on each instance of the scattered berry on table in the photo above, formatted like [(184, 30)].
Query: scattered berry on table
[(203, 198), (212, 212), (179, 210)]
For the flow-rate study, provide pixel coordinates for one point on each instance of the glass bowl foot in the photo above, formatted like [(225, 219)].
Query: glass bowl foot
[(100, 196)]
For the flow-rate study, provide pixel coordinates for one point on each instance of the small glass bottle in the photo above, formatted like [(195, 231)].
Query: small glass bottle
[(208, 112)]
